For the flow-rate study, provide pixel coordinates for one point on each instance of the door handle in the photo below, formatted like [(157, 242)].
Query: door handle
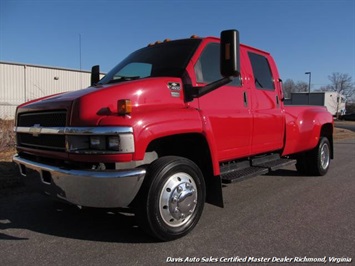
[(245, 99), (277, 101)]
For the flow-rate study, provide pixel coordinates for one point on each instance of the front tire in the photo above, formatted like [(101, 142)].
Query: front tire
[(171, 200)]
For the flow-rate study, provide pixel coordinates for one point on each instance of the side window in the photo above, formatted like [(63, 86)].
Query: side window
[(262, 72), (207, 68)]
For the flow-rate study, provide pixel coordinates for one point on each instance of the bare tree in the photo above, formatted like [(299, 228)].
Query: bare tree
[(340, 83), (290, 86), (301, 86)]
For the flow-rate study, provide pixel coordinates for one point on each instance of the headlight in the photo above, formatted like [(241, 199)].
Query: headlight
[(114, 143), (105, 142), (100, 144), (97, 142)]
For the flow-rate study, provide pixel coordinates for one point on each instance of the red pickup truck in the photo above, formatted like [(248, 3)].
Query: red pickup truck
[(165, 127)]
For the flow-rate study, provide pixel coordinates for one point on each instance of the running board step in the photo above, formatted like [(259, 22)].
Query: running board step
[(277, 164), (239, 175), (259, 167)]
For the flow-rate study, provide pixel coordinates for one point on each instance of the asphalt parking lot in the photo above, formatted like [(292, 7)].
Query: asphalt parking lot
[(350, 125)]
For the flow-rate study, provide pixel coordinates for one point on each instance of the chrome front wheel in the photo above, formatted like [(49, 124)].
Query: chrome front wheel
[(172, 197), (178, 199)]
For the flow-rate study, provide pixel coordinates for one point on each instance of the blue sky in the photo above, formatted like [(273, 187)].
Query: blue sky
[(302, 35)]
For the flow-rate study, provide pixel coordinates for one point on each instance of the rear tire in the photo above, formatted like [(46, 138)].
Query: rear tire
[(172, 197), (315, 162)]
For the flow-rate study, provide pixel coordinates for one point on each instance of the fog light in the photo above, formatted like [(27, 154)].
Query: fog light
[(114, 143)]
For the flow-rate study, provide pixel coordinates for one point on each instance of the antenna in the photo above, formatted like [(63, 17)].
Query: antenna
[(81, 74), (80, 51)]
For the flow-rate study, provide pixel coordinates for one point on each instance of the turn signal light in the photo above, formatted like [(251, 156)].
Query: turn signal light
[(124, 106)]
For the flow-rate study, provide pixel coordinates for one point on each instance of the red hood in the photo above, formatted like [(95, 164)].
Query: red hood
[(88, 106)]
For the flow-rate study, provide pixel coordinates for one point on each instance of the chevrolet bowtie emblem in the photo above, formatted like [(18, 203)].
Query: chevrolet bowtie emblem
[(35, 130)]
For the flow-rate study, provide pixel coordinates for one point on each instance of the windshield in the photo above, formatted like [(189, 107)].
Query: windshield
[(160, 60)]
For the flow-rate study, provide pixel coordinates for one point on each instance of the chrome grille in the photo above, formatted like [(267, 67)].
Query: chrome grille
[(47, 142), (44, 119)]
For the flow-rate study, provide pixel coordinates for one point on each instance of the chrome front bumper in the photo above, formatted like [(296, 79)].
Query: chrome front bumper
[(90, 188)]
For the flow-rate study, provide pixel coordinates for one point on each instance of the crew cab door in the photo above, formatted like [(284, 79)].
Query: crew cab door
[(269, 122), (225, 111)]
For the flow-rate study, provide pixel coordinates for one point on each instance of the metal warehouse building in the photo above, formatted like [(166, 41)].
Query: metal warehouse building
[(23, 82)]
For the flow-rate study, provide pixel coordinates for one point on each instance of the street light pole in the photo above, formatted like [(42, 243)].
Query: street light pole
[(309, 85)]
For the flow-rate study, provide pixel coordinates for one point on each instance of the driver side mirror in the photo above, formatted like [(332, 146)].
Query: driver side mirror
[(229, 57), (95, 75)]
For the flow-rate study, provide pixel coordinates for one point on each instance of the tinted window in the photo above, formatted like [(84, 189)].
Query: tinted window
[(262, 72), (207, 68), (135, 69)]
